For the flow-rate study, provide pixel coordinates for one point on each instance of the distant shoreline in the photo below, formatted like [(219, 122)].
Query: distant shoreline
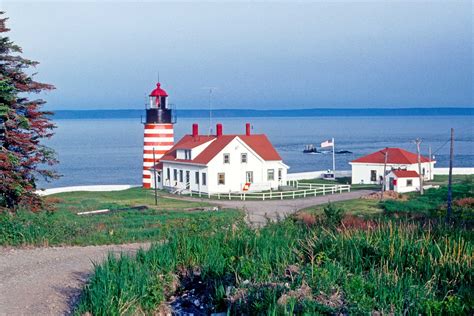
[(234, 113)]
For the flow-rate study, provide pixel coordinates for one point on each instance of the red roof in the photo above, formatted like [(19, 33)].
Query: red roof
[(395, 156), (158, 92), (405, 173), (258, 143)]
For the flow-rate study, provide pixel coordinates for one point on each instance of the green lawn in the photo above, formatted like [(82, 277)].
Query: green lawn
[(443, 179), (63, 226), (358, 207), (343, 180)]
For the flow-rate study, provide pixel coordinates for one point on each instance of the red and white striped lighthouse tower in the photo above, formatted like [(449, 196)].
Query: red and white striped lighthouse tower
[(159, 135)]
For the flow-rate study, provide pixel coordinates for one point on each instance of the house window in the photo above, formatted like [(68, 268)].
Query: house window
[(204, 178), (175, 175), (180, 175), (423, 171), (409, 183), (226, 158), (280, 174), (221, 178), (196, 176), (243, 158), (168, 174), (187, 154), (373, 175), (249, 177), (270, 174)]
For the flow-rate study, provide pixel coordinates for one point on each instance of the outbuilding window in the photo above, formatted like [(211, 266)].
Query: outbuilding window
[(243, 158), (226, 158), (221, 178), (409, 183), (271, 174)]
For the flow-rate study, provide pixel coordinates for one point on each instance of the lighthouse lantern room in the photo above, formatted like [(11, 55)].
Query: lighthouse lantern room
[(159, 134)]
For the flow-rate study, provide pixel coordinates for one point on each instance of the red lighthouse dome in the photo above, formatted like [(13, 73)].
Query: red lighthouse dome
[(158, 92)]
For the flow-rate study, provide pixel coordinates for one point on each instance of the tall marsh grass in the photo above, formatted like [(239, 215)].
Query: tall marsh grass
[(294, 268)]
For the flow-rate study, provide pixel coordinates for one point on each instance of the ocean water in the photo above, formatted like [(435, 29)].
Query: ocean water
[(109, 151)]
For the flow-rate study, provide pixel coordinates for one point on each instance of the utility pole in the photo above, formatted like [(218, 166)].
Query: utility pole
[(450, 177), (384, 172), (431, 171), (154, 177), (333, 159), (418, 142)]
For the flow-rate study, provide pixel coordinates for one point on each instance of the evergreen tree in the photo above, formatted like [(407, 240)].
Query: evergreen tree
[(22, 127)]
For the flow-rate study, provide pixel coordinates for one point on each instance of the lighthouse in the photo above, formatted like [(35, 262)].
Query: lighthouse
[(158, 135)]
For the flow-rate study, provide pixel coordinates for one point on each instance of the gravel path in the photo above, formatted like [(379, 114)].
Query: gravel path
[(48, 281)]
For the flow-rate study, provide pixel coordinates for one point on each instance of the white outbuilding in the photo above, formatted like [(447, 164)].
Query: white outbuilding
[(403, 181), (221, 163), (369, 169)]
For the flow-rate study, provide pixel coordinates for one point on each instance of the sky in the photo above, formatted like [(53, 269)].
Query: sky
[(257, 55)]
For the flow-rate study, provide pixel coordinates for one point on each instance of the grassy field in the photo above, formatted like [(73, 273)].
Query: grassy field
[(343, 180), (292, 268), (320, 261), (64, 227)]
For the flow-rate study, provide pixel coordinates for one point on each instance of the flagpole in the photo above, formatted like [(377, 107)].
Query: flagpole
[(333, 158)]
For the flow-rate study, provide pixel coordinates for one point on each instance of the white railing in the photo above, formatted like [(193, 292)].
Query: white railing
[(313, 189)]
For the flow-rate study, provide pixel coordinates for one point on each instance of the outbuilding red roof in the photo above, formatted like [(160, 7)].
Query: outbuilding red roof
[(406, 173), (158, 92), (258, 143), (395, 156)]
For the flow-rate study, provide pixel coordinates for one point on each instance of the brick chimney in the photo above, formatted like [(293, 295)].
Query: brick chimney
[(195, 130), (218, 129), (247, 129)]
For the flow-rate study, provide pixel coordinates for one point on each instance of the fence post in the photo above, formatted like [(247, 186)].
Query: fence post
[(218, 196), (244, 196), (293, 194), (281, 195), (315, 192), (304, 193), (263, 196), (229, 195)]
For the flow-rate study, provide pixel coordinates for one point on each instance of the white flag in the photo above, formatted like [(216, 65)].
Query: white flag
[(327, 143)]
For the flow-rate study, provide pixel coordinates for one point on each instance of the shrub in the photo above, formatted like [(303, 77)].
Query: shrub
[(333, 215)]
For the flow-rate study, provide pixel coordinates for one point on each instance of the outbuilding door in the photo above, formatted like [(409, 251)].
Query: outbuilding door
[(391, 184)]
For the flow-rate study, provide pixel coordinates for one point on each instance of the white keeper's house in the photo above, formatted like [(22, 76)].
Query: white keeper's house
[(369, 169), (221, 163)]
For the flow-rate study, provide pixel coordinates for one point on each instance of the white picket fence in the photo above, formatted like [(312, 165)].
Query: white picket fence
[(302, 190)]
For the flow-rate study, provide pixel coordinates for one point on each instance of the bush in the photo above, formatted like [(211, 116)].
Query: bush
[(333, 215)]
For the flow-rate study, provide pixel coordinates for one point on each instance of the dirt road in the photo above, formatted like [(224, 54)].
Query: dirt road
[(48, 281)]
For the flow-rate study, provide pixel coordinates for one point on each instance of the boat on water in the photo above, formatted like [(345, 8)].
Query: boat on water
[(310, 149)]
